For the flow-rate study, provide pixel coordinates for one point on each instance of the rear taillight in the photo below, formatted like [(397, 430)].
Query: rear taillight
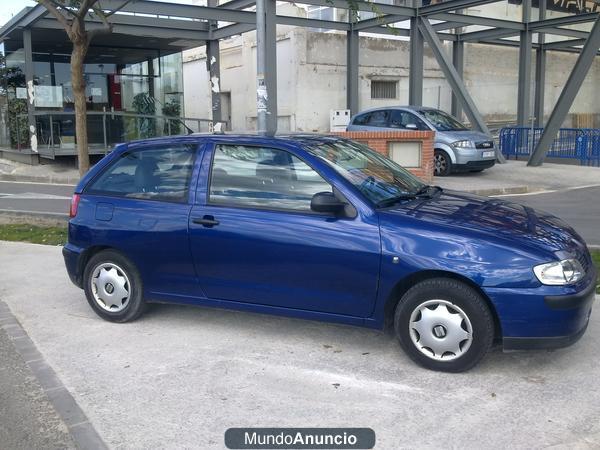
[(74, 205)]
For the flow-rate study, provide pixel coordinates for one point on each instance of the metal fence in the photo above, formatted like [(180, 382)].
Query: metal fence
[(582, 144), (55, 131)]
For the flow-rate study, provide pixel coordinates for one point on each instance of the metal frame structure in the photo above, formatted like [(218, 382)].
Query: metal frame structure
[(433, 23)]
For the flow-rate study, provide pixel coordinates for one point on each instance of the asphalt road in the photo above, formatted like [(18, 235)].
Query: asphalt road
[(180, 376), (578, 207), (35, 197)]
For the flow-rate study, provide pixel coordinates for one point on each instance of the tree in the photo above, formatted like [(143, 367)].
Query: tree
[(71, 14)]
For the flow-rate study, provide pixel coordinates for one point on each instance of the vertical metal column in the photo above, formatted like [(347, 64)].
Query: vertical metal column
[(415, 77), (524, 88), (568, 94), (540, 72), (213, 66), (352, 65), (29, 74), (266, 67), (455, 81), (458, 58)]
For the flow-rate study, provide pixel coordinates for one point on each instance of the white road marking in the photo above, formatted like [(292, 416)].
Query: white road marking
[(32, 196), (549, 191), (37, 182)]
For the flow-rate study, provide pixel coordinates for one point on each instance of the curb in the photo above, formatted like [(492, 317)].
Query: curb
[(498, 191), (81, 429), (50, 179)]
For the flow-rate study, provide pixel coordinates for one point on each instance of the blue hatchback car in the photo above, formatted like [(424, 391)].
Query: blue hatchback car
[(324, 228)]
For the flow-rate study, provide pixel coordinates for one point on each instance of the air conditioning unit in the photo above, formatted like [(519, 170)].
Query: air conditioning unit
[(339, 119)]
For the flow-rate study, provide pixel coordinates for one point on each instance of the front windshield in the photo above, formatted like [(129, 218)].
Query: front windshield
[(377, 177), (442, 121)]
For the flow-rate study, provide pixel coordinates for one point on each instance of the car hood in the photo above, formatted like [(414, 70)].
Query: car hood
[(496, 219), (475, 136)]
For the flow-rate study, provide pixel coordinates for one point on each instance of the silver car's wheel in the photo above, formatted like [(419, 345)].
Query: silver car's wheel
[(440, 330), (110, 287), (441, 164)]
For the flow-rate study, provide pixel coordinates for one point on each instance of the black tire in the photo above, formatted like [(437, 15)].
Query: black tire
[(134, 306), (442, 164), (452, 294)]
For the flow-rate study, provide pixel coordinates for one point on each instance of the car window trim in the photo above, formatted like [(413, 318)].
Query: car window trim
[(263, 208), (199, 146)]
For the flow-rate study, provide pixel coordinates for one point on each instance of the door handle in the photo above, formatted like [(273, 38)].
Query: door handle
[(206, 221)]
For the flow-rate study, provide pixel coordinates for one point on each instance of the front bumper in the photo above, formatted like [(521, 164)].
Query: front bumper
[(544, 317)]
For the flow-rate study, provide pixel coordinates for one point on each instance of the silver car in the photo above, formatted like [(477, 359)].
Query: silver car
[(456, 148)]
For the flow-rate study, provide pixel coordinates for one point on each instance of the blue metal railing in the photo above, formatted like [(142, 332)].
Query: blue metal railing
[(582, 144)]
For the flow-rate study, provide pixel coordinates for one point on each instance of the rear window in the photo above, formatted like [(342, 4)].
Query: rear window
[(156, 173)]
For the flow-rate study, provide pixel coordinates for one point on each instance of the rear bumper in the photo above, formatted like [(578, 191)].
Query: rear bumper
[(72, 257)]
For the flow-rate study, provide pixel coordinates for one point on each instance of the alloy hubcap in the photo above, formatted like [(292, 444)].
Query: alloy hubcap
[(439, 163), (110, 287), (440, 330)]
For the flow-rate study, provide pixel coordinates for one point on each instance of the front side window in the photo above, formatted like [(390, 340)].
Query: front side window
[(263, 177), (442, 121), (157, 173), (400, 119), (377, 177)]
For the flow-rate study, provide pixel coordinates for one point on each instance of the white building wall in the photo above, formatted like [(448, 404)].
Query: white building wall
[(312, 78)]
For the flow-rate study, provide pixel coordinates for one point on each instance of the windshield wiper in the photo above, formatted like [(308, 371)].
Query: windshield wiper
[(424, 192), (395, 199), (428, 190)]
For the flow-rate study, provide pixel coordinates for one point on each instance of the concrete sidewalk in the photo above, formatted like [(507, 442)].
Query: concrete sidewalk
[(180, 376), (54, 172), (515, 177)]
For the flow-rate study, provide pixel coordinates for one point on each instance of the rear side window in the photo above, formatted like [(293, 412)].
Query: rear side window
[(362, 119), (263, 177), (378, 118), (156, 173)]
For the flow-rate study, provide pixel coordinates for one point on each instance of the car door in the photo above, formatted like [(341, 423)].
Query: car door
[(254, 238), (400, 119), (140, 205)]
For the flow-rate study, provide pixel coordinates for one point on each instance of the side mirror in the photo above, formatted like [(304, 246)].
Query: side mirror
[(411, 126), (326, 202)]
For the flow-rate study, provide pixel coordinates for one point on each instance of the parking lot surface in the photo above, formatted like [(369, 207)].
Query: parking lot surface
[(180, 376)]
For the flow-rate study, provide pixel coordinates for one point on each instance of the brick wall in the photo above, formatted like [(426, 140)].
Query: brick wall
[(378, 141)]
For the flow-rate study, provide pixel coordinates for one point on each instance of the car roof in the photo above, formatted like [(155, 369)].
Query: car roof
[(400, 108), (298, 138)]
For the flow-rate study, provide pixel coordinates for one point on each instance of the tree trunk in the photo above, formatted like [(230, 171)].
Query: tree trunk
[(78, 82)]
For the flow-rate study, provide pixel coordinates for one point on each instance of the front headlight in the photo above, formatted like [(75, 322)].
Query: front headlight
[(567, 271), (463, 144)]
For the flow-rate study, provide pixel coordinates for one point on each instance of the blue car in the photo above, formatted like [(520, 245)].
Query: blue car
[(324, 228)]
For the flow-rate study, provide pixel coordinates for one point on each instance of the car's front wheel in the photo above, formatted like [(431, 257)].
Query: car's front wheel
[(442, 165), (113, 287), (444, 324)]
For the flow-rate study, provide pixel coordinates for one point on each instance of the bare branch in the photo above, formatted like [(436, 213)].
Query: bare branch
[(62, 7), (85, 7), (98, 11), (52, 9), (119, 8)]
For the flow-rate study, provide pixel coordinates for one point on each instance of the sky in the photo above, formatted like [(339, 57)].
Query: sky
[(11, 7)]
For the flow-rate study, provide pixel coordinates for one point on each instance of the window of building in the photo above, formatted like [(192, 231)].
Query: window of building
[(384, 89), (263, 177), (158, 173)]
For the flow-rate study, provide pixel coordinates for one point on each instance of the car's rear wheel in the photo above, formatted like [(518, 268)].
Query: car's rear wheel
[(444, 324), (442, 165), (113, 287)]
